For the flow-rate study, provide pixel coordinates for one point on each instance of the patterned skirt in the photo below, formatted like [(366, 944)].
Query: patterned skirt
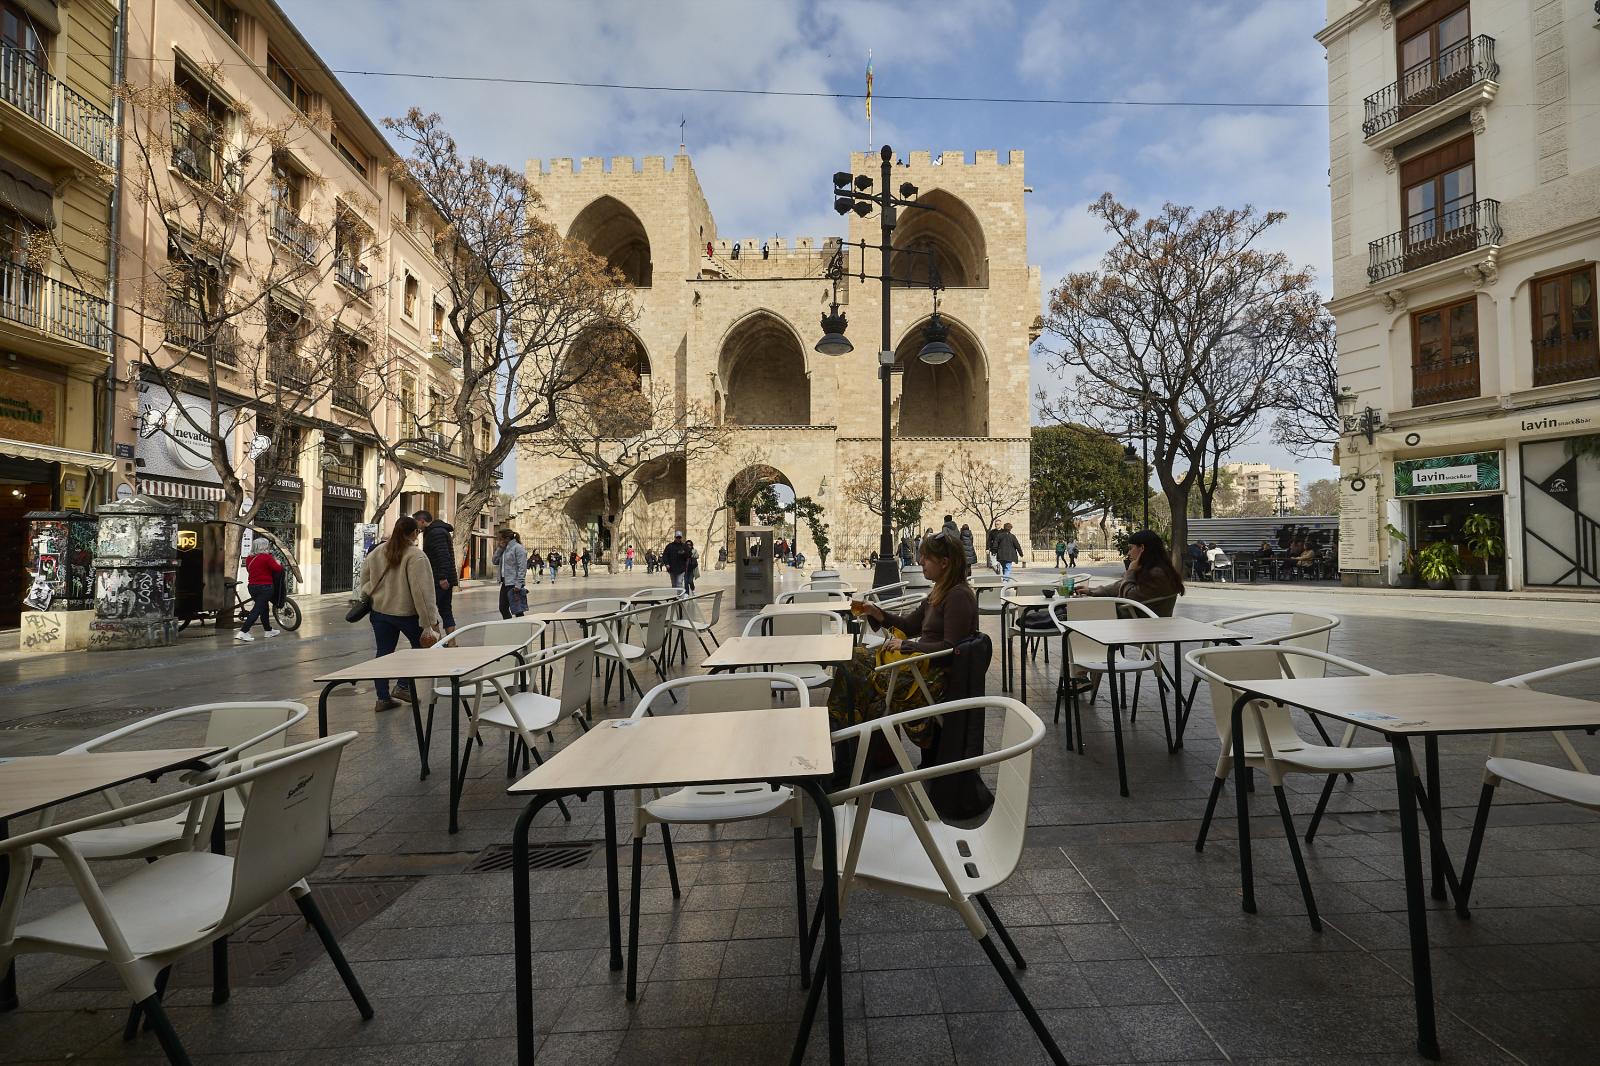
[(859, 694)]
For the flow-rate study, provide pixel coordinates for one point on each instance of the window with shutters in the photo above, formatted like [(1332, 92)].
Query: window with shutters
[(1444, 353), (1564, 339)]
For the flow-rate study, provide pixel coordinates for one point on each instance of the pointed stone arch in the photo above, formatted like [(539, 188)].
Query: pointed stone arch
[(765, 372), (949, 400), (949, 228), (613, 232)]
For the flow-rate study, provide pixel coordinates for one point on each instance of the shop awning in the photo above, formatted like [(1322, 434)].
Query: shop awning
[(46, 453), (180, 490)]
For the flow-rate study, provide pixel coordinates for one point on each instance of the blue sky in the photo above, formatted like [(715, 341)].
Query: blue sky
[(765, 161)]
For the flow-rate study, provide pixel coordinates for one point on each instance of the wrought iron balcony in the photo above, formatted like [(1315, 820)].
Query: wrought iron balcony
[(40, 302), (1428, 83), (352, 275), (292, 233), (350, 396), (1453, 233), (289, 370), (186, 328), (1566, 357), (1444, 380), (29, 88), (447, 349)]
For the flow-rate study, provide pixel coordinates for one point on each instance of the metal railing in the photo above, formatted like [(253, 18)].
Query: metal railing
[(288, 370), (29, 88), (349, 396), (1455, 378), (352, 274), (40, 302), (1565, 357), (1452, 233), (289, 230), (1458, 67), (185, 327), (448, 349)]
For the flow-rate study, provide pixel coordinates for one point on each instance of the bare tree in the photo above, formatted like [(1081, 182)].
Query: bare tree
[(520, 299), (985, 491), (1183, 322), (754, 472), (233, 313), (1307, 422), (908, 489)]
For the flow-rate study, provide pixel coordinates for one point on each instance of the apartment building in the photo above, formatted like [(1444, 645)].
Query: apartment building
[(57, 152), (1262, 483), (326, 197), (1465, 184)]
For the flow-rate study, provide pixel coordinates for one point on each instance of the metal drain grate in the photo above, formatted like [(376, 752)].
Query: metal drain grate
[(276, 944), (563, 856)]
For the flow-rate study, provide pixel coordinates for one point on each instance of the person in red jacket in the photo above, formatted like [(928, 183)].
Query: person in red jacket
[(259, 567)]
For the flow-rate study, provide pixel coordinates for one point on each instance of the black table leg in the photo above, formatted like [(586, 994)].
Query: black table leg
[(1181, 707), (1416, 905), (1241, 783), (1436, 829), (613, 911), (522, 926), (1116, 716), (455, 750), (8, 980), (831, 950)]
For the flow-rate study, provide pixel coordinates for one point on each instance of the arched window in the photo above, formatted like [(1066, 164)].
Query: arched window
[(614, 233), (763, 369), (947, 228), (948, 400)]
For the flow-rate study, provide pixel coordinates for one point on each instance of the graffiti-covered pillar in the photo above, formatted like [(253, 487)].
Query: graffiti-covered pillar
[(59, 605), (136, 564)]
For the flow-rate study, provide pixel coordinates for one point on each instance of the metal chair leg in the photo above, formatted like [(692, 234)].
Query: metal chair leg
[(1322, 805), (633, 918), (313, 915), (1022, 1000), (800, 905), (1000, 930), (1299, 862), (672, 864), (1211, 808), (151, 1008)]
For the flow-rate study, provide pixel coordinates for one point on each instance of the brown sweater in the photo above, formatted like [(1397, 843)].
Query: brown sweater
[(408, 591), (1153, 588), (936, 626)]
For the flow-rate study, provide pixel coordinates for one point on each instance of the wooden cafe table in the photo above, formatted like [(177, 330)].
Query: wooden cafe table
[(787, 745), (824, 649), (29, 784), (1402, 706), (436, 664), (1118, 633)]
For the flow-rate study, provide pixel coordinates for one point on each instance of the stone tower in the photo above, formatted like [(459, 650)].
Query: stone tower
[(736, 335)]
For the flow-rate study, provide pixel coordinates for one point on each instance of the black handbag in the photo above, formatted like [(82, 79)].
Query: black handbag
[(364, 608)]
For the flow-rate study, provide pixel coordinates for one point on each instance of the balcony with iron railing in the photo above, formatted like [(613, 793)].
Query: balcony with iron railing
[(1566, 357), (288, 369), (29, 88), (1454, 232), (1443, 380), (185, 327), (352, 275), (447, 349), (292, 232), (1457, 69), (350, 396), (38, 301)]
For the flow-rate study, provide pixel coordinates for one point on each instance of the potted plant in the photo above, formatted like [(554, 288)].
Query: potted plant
[(1438, 563), (1407, 578), (1484, 542)]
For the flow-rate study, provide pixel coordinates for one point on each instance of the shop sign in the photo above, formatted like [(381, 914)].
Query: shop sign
[(1358, 526), (1443, 475), (335, 491), (288, 483), (29, 408), (171, 442)]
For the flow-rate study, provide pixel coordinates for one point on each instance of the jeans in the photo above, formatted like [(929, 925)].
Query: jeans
[(260, 608), (630, 564), (445, 598), (677, 581), (505, 602), (1005, 569), (387, 629), (1061, 557)]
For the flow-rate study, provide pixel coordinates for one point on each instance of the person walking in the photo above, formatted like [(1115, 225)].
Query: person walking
[(438, 544), (554, 559), (736, 249), (675, 558), (989, 538), (511, 559), (1007, 549), (584, 559), (572, 562), (949, 527), (1072, 552), (259, 569), (628, 559), (1061, 553), (967, 547), (398, 581), (692, 569)]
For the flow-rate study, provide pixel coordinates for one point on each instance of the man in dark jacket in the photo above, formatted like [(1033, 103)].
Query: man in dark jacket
[(1007, 549), (438, 544), (675, 559)]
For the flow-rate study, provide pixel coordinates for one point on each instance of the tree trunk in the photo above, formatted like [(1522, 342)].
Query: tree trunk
[(1178, 501)]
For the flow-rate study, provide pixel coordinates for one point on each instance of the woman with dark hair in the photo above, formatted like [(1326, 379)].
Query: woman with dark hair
[(1151, 578), (944, 619), (398, 579)]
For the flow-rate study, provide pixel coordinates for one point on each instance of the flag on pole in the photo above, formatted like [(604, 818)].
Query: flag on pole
[(869, 83)]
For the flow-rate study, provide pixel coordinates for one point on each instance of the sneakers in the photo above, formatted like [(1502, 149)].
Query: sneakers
[(242, 635), (386, 705), (271, 632)]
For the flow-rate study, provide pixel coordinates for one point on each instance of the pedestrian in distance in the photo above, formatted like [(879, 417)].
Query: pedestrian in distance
[(692, 569), (398, 581), (967, 547), (628, 559), (764, 249), (438, 545), (736, 249), (1072, 552), (572, 562), (554, 559), (259, 570), (512, 560), (1007, 550), (949, 527), (675, 558), (584, 559), (1061, 553), (709, 253)]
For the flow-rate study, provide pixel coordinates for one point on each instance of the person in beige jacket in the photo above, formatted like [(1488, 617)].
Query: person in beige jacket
[(398, 579)]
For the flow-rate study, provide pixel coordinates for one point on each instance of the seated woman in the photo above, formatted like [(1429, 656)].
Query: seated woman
[(944, 619), (1151, 578)]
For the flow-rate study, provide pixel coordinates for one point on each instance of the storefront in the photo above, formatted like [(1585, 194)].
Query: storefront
[(343, 502), (1441, 492), (1560, 482), (279, 515)]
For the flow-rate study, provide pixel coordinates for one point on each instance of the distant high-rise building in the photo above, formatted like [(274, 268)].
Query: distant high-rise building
[(1260, 483)]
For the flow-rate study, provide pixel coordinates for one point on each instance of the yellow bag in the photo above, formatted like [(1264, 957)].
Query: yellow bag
[(885, 656)]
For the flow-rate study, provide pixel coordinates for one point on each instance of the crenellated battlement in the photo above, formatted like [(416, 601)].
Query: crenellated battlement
[(617, 165)]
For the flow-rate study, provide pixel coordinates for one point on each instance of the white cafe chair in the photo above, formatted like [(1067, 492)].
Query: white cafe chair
[(1079, 652), (517, 633), (619, 652), (806, 624), (713, 805), (911, 852), (1577, 785), (1271, 741), (245, 729), (691, 620), (160, 912)]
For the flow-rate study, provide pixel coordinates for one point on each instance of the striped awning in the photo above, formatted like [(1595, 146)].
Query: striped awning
[(180, 490)]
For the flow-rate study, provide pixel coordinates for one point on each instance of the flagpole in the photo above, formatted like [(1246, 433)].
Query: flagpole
[(869, 100)]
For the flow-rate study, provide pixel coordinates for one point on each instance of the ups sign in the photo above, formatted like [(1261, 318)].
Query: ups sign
[(188, 540)]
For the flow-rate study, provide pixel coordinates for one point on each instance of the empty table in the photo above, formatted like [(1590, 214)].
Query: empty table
[(452, 663), (788, 745), (824, 649), (1401, 706), (1118, 633)]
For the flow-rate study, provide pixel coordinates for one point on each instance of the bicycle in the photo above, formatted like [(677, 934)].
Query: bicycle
[(286, 617)]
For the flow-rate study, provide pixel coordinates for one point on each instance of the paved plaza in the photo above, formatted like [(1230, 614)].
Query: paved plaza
[(1137, 948)]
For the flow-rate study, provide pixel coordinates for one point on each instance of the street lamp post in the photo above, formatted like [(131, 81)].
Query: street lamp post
[(1143, 460), (852, 192)]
